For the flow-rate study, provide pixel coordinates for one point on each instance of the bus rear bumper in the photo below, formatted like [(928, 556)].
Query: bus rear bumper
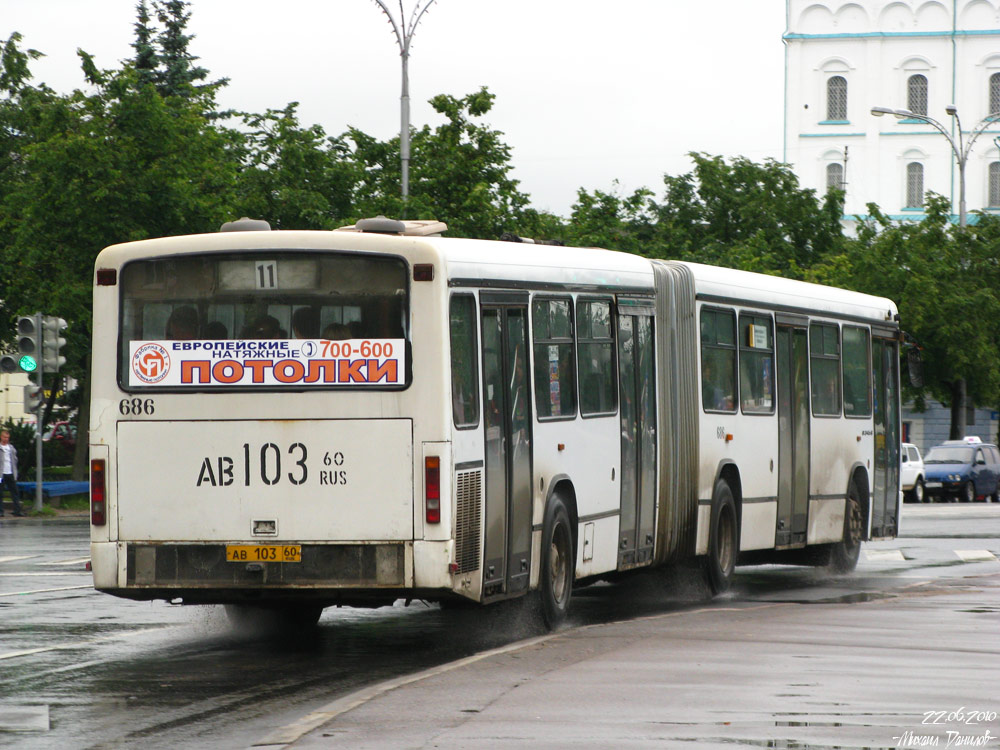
[(104, 564), (201, 572), (172, 566)]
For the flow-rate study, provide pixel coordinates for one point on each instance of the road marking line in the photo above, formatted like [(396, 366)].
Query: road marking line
[(78, 644), (884, 555), (297, 729), (77, 561), (12, 558), (45, 591), (976, 555), (45, 573), (24, 718)]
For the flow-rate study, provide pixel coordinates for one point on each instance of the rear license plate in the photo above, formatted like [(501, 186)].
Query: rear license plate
[(290, 553)]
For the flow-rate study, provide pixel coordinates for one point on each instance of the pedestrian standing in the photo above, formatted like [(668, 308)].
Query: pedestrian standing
[(8, 470)]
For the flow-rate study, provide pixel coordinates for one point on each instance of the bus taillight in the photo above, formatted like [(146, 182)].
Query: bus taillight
[(432, 488), (97, 493)]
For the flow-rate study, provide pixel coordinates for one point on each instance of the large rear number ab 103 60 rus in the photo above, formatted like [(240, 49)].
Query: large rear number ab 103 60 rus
[(224, 471)]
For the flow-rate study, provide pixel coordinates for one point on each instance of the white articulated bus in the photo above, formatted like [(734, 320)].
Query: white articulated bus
[(296, 419)]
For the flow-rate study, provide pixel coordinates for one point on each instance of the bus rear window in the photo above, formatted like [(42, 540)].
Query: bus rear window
[(276, 319)]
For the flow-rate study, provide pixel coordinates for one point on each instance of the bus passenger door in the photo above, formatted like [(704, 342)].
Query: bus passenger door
[(793, 432), (637, 387), (885, 386), (507, 421)]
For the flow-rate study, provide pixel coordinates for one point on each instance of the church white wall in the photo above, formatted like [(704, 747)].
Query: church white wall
[(876, 46)]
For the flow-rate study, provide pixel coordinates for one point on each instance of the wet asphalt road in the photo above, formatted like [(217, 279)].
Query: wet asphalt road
[(81, 669)]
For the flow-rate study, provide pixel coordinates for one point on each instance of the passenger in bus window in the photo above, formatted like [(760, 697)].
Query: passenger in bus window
[(266, 327), (305, 323), (182, 325), (461, 400), (216, 331), (337, 332), (714, 395)]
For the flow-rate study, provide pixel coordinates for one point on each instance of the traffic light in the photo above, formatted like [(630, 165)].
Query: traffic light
[(52, 342), (8, 363), (33, 397), (28, 342)]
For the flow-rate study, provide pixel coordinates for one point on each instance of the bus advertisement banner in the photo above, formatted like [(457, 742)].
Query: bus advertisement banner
[(267, 362)]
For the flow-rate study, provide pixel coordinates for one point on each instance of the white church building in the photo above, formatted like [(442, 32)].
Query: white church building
[(934, 58)]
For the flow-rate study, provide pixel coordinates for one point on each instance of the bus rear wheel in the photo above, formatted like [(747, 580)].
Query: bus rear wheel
[(847, 551), (558, 564), (260, 619), (723, 541)]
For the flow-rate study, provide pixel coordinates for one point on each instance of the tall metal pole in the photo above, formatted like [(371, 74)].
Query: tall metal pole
[(40, 412), (404, 126), (961, 156), (403, 29)]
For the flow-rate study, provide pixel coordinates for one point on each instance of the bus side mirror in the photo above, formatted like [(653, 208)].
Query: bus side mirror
[(915, 367)]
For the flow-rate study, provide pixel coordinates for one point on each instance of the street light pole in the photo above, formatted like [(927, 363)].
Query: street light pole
[(404, 29), (961, 148)]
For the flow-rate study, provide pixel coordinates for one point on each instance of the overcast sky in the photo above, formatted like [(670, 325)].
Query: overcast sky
[(587, 92)]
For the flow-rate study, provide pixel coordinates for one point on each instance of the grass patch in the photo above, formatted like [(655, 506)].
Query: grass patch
[(75, 502), (57, 473)]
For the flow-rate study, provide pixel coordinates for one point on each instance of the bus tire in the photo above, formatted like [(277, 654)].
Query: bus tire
[(269, 619), (847, 551), (301, 616), (558, 564), (723, 539)]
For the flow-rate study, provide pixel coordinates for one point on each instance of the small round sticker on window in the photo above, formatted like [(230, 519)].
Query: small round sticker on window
[(151, 363)]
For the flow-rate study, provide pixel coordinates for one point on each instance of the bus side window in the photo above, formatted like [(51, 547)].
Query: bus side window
[(718, 360), (555, 379), (824, 350), (756, 364), (595, 358), (857, 372), (464, 361)]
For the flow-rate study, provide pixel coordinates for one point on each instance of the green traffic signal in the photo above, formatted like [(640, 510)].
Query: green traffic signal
[(29, 341)]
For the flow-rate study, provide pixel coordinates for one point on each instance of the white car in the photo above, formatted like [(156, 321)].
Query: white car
[(911, 473)]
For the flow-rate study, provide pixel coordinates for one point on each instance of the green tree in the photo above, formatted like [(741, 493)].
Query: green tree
[(738, 214), (295, 177), (145, 59), (946, 283), (749, 215), (609, 220), (162, 53), (177, 74), (92, 170), (460, 172), (21, 125)]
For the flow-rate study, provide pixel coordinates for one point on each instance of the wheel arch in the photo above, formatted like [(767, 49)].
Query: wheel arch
[(562, 485), (859, 477), (730, 472)]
